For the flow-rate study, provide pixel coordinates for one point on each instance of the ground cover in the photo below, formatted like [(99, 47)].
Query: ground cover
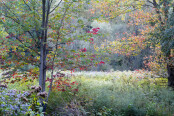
[(127, 93)]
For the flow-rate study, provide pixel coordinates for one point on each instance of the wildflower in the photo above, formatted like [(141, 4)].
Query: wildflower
[(2, 105), (3, 98)]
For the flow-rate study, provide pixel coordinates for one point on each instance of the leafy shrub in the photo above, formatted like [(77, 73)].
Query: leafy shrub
[(63, 93), (131, 110), (157, 62)]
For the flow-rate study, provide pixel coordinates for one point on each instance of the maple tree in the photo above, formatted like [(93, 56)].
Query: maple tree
[(38, 35)]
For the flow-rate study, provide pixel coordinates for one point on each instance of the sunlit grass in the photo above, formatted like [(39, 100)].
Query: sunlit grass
[(119, 93), (124, 91)]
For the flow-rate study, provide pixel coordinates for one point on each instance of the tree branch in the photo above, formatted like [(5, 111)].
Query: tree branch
[(21, 26), (150, 2), (22, 42), (56, 53), (9, 9), (55, 7), (17, 20), (27, 5)]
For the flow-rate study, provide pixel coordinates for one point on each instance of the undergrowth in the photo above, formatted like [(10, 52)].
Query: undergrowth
[(126, 93)]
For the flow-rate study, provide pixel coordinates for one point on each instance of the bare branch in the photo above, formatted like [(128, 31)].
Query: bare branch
[(150, 2), (148, 5), (51, 2), (27, 5), (55, 7)]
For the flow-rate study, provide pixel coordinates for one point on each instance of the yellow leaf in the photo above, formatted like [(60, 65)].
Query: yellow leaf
[(23, 53), (14, 48), (123, 17)]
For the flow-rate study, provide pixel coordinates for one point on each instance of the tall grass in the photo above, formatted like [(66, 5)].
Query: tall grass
[(127, 93), (124, 93)]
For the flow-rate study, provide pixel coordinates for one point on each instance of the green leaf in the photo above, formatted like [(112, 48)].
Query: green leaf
[(80, 21), (40, 109)]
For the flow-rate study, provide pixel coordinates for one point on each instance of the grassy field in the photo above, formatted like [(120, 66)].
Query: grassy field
[(118, 93), (128, 93)]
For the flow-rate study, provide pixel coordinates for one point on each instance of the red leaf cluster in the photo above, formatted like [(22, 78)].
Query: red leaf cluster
[(92, 40), (94, 31), (83, 50), (101, 62)]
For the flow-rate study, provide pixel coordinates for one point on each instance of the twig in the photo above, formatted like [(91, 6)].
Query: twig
[(50, 89), (55, 7), (27, 5)]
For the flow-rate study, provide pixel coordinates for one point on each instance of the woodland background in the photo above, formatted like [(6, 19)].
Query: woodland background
[(87, 57)]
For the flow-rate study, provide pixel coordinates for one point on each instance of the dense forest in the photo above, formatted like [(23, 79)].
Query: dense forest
[(86, 57)]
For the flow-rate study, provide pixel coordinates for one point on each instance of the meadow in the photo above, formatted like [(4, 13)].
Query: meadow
[(127, 93)]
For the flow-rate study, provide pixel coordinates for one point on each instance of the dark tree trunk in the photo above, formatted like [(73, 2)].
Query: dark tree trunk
[(170, 69), (42, 76), (43, 54)]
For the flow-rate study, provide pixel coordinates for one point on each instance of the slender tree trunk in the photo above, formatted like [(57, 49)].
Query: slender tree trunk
[(43, 55), (42, 76), (43, 49)]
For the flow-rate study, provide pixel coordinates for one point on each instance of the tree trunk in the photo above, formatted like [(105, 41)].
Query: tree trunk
[(43, 55), (170, 69), (42, 76)]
